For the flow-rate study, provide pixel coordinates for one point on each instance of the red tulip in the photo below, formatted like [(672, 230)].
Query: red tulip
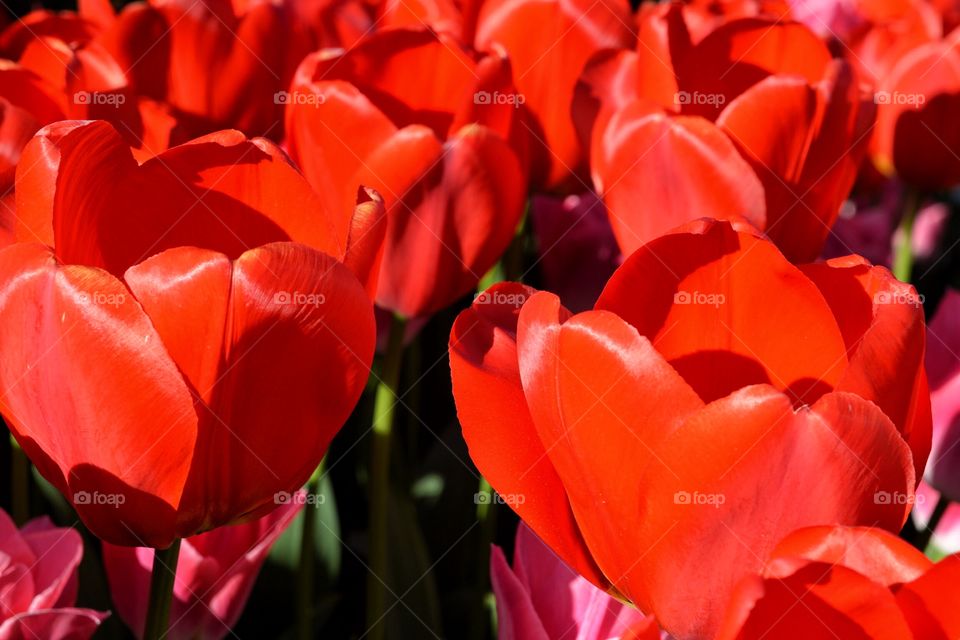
[(215, 574), (441, 147), (755, 121), (541, 598), (171, 358), (840, 582), (39, 584), (547, 61), (716, 399), (917, 134)]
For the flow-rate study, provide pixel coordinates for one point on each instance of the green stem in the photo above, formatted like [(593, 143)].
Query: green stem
[(903, 253), (161, 591), (925, 534), (19, 483), (307, 568), (383, 413)]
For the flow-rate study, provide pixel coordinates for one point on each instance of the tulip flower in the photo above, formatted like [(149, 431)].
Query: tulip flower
[(547, 62), (39, 584), (716, 399), (754, 122), (183, 337), (442, 148), (943, 367), (840, 582), (917, 135), (215, 574), (541, 598)]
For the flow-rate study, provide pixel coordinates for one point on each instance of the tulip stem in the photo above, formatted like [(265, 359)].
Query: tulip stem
[(19, 483), (384, 405), (925, 534), (161, 591), (903, 253), (307, 567), (487, 516)]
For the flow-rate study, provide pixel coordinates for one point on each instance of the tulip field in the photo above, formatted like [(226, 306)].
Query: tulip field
[(480, 319)]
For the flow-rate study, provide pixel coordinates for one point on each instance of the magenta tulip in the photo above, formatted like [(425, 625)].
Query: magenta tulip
[(38, 583), (215, 575), (542, 598)]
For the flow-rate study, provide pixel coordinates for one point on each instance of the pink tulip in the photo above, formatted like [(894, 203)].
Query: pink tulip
[(38, 583), (215, 575), (542, 598), (943, 369)]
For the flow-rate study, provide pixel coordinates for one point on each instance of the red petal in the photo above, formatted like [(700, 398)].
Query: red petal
[(85, 194), (813, 601), (744, 472), (805, 143), (680, 168), (703, 298), (741, 53), (929, 603), (881, 556), (294, 326), (547, 62), (88, 389), (581, 379), (498, 428), (452, 211), (881, 320)]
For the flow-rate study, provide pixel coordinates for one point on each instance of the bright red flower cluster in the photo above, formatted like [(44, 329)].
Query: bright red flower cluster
[(676, 367)]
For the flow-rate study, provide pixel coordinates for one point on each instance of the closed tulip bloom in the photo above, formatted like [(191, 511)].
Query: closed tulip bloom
[(183, 336), (842, 582), (38, 583), (715, 399), (444, 149), (754, 122), (215, 574)]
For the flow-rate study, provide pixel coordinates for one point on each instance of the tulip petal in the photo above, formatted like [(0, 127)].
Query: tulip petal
[(774, 469), (881, 320), (581, 379), (221, 192), (57, 624), (297, 328), (882, 556), (656, 172), (815, 601), (929, 602), (704, 298), (516, 616), (131, 422), (498, 428)]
